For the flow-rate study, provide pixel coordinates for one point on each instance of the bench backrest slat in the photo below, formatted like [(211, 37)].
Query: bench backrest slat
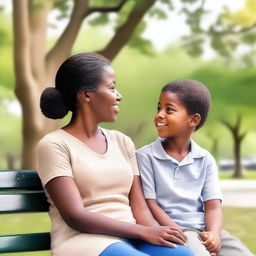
[(19, 179), (21, 192), (21, 203), (25, 242)]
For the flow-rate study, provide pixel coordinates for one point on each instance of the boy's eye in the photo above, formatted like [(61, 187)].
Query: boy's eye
[(168, 110), (158, 109)]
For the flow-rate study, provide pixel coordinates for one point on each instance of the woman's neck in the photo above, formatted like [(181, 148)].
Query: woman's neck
[(81, 126), (88, 133)]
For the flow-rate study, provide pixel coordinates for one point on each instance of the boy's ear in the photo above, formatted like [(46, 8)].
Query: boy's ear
[(195, 120), (83, 96)]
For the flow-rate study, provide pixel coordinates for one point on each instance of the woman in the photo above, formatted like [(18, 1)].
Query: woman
[(90, 174)]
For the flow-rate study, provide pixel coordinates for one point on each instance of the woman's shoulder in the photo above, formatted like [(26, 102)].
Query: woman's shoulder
[(117, 135), (123, 141), (53, 136), (53, 139)]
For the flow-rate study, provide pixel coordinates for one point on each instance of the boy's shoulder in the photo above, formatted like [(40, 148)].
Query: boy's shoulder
[(197, 149), (150, 149), (200, 152)]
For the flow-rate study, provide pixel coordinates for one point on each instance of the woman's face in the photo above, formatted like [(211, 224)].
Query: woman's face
[(105, 100)]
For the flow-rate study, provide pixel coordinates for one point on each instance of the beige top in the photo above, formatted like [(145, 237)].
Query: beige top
[(103, 180)]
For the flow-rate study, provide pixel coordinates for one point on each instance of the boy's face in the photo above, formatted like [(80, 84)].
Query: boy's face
[(172, 119)]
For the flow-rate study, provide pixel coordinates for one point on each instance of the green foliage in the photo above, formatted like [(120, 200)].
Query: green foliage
[(249, 38), (63, 6), (167, 3), (245, 17), (6, 64), (100, 19), (137, 42), (10, 131), (194, 45), (158, 13)]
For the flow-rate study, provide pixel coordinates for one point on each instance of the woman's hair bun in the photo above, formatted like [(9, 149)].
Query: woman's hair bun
[(52, 103)]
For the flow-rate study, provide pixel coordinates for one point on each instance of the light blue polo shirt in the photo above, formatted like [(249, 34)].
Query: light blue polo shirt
[(180, 188)]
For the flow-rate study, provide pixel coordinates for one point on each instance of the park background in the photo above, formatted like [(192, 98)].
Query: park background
[(210, 41)]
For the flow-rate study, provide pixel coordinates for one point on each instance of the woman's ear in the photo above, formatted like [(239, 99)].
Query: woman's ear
[(195, 120), (83, 96)]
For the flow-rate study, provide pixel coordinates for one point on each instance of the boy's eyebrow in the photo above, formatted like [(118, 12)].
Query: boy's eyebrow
[(170, 104), (167, 104)]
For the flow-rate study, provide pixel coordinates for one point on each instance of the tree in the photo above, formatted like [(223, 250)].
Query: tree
[(35, 67), (238, 137), (227, 34)]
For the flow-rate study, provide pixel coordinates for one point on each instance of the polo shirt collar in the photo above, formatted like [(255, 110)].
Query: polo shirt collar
[(195, 152)]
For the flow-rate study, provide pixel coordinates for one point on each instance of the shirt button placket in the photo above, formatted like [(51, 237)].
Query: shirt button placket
[(176, 172)]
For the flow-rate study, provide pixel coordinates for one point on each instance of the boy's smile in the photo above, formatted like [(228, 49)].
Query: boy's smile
[(172, 119)]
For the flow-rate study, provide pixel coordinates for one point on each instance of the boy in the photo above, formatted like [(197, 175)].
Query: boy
[(179, 178)]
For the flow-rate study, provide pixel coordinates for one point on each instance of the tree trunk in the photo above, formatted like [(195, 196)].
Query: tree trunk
[(238, 172), (238, 137), (10, 159), (35, 68)]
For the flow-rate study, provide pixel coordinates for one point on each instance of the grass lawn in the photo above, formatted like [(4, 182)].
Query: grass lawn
[(240, 222), (248, 175)]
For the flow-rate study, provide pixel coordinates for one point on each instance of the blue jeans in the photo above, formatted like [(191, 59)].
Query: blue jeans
[(141, 248)]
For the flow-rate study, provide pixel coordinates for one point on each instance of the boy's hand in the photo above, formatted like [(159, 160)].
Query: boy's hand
[(211, 241)]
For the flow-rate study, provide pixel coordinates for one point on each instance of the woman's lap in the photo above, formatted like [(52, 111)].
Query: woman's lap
[(135, 248), (121, 249)]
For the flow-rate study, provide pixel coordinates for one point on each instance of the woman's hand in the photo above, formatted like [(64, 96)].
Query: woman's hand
[(164, 235)]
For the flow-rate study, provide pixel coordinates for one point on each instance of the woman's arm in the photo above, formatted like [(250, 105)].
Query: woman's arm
[(142, 213), (65, 195), (160, 215), (139, 206)]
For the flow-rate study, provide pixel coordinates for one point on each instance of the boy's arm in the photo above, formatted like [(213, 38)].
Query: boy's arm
[(160, 215), (213, 216), (213, 226)]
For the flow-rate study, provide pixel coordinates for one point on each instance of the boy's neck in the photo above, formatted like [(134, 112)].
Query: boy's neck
[(178, 148)]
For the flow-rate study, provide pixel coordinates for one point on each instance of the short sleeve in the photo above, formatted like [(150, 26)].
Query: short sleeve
[(53, 160), (211, 188), (128, 148), (147, 175)]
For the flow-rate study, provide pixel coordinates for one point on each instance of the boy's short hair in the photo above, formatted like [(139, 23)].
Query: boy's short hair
[(194, 95)]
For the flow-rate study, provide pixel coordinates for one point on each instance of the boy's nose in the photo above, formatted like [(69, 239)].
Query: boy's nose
[(118, 95), (160, 114)]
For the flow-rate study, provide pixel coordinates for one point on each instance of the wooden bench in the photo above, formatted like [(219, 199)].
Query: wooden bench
[(21, 192)]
